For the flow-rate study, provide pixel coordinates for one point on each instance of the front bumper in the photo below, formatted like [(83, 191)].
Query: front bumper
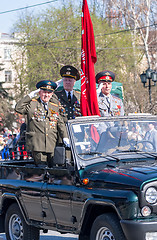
[(136, 230)]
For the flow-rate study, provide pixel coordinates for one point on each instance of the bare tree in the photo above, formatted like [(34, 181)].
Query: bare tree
[(139, 16)]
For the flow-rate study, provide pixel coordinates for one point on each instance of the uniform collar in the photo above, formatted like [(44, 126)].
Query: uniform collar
[(71, 92), (43, 102), (103, 95)]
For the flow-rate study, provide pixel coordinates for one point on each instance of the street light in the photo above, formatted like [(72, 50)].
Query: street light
[(150, 75)]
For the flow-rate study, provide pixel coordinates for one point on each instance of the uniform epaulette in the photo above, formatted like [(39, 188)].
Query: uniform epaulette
[(33, 99), (78, 92), (54, 104)]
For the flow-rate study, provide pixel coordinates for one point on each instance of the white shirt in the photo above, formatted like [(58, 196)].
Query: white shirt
[(71, 93)]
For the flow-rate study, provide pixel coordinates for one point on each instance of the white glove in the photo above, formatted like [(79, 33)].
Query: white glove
[(66, 142), (99, 88), (33, 93)]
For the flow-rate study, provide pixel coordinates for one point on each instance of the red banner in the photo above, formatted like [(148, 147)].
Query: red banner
[(89, 102)]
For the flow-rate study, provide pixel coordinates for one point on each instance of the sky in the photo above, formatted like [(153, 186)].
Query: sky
[(9, 18)]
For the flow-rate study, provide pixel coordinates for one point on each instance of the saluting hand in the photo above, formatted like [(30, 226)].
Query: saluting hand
[(33, 93), (99, 88)]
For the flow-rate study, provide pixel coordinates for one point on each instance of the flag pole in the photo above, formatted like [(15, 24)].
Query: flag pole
[(89, 102)]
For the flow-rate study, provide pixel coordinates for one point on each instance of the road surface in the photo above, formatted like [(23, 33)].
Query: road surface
[(51, 235)]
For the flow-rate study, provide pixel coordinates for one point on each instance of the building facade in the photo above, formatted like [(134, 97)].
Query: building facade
[(8, 54)]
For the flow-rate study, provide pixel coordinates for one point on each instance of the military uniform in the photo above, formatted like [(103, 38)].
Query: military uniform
[(42, 125), (113, 107), (109, 105), (72, 105), (72, 109)]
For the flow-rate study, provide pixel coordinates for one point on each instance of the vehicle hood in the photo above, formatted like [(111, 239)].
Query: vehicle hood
[(122, 174)]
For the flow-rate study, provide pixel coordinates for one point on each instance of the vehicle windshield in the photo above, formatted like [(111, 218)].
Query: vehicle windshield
[(95, 138)]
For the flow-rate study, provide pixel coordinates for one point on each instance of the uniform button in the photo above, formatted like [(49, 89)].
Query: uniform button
[(47, 134), (70, 107), (70, 112)]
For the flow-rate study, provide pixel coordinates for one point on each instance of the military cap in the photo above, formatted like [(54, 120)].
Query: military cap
[(106, 76), (70, 72), (46, 85)]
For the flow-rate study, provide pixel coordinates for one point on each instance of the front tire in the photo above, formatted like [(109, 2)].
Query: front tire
[(16, 228), (107, 226)]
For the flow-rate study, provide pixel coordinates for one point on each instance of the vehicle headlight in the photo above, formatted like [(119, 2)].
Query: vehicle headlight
[(151, 195)]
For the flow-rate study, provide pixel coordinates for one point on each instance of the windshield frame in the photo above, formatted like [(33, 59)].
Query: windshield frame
[(79, 159)]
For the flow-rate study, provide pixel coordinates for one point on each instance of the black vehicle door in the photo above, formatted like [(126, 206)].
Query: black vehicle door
[(59, 191), (34, 196)]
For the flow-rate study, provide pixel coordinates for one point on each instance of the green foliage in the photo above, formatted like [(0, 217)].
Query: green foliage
[(53, 39)]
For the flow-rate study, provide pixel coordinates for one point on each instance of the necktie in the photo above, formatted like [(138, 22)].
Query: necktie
[(107, 99), (45, 107), (69, 97)]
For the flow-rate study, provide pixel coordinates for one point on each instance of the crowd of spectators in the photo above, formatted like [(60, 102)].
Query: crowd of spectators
[(12, 143)]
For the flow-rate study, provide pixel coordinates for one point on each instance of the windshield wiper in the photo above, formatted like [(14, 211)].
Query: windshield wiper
[(129, 150), (90, 153), (137, 151), (101, 155), (117, 159)]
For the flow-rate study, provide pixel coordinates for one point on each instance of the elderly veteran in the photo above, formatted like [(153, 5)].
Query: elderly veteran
[(109, 105), (69, 98), (43, 122)]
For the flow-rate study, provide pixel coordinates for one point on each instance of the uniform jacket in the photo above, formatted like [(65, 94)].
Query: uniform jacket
[(115, 108), (41, 133), (151, 136), (72, 109)]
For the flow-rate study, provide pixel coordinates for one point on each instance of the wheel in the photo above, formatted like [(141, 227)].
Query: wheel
[(83, 237), (16, 227), (107, 227)]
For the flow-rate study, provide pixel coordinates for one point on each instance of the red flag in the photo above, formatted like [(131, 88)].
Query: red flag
[(89, 102), (94, 134)]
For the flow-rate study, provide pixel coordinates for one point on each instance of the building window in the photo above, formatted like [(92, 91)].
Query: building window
[(7, 54), (8, 76)]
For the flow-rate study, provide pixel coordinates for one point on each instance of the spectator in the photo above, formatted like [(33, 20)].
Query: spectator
[(22, 140), (151, 136)]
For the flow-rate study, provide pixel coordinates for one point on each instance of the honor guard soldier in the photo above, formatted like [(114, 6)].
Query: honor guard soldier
[(109, 105), (69, 98), (43, 122)]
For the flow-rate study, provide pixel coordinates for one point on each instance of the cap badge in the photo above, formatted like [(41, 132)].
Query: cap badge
[(49, 83), (48, 87), (107, 73), (68, 73), (107, 77)]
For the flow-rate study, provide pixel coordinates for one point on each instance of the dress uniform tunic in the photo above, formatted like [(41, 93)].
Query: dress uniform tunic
[(112, 107), (42, 125), (72, 109)]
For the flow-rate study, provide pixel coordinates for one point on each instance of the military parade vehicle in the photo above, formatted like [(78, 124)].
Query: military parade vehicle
[(104, 187)]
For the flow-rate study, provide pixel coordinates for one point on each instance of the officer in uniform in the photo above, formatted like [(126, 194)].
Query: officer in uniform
[(69, 98), (43, 122), (109, 105)]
